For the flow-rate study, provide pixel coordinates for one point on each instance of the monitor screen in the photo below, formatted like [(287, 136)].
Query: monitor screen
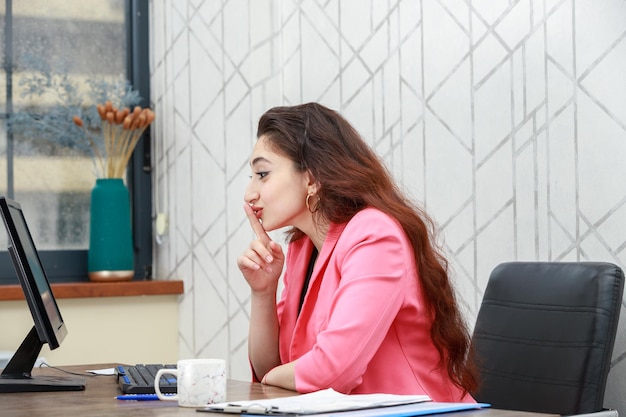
[(43, 306), (49, 326)]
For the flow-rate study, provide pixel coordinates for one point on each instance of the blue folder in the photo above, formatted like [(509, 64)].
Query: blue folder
[(408, 410)]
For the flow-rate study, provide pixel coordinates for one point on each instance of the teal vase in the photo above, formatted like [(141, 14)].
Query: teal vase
[(110, 256)]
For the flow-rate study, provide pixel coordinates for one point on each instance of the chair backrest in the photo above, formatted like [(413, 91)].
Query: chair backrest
[(544, 335)]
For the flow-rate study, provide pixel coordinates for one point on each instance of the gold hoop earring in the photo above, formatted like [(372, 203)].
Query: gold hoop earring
[(306, 202)]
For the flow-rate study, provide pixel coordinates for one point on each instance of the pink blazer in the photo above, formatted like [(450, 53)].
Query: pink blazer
[(363, 327)]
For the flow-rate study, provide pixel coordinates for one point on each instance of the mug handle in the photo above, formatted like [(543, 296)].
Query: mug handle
[(157, 388)]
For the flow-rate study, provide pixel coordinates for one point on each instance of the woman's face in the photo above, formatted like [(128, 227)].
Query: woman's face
[(277, 191)]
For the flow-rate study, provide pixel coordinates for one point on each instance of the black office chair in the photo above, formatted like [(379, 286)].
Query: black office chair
[(544, 335)]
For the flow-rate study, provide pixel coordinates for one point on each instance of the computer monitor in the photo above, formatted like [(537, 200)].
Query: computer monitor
[(48, 327)]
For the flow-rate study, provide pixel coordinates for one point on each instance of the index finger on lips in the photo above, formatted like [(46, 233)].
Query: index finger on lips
[(257, 227)]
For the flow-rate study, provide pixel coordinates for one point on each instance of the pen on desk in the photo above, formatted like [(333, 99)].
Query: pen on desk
[(138, 397)]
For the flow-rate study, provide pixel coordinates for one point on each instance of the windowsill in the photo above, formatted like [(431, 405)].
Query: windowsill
[(100, 289)]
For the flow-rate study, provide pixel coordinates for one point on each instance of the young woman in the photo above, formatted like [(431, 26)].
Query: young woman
[(367, 305)]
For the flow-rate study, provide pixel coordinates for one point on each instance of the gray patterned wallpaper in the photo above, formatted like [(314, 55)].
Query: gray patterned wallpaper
[(506, 119)]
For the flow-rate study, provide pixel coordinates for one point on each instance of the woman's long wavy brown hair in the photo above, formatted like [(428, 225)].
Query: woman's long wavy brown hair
[(352, 177)]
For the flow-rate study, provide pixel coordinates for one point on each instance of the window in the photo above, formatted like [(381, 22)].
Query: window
[(51, 176)]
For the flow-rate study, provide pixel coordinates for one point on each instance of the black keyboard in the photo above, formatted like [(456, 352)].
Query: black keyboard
[(139, 379)]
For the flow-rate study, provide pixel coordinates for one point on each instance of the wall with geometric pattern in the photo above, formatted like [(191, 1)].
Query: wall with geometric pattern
[(505, 119)]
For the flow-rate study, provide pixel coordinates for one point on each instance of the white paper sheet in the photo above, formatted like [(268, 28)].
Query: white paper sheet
[(323, 401)]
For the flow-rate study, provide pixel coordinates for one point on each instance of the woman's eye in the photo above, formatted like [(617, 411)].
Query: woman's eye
[(262, 174)]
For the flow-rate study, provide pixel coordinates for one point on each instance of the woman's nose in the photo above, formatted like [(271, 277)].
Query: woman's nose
[(250, 195)]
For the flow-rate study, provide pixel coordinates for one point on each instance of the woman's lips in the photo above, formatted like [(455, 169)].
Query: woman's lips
[(257, 212)]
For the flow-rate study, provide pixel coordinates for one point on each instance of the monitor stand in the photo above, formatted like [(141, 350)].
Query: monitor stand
[(16, 376)]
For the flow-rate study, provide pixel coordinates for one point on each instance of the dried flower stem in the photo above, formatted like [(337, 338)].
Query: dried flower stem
[(121, 130)]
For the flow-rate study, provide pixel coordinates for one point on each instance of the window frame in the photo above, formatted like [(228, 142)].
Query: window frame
[(71, 265)]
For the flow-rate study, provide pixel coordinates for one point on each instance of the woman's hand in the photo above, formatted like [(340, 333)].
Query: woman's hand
[(262, 263)]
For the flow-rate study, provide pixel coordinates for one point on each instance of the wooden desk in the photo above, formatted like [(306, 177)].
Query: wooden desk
[(98, 400)]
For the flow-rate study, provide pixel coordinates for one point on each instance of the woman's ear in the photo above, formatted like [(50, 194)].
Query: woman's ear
[(312, 184)]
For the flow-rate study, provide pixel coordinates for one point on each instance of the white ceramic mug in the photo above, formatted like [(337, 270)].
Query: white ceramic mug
[(199, 382)]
